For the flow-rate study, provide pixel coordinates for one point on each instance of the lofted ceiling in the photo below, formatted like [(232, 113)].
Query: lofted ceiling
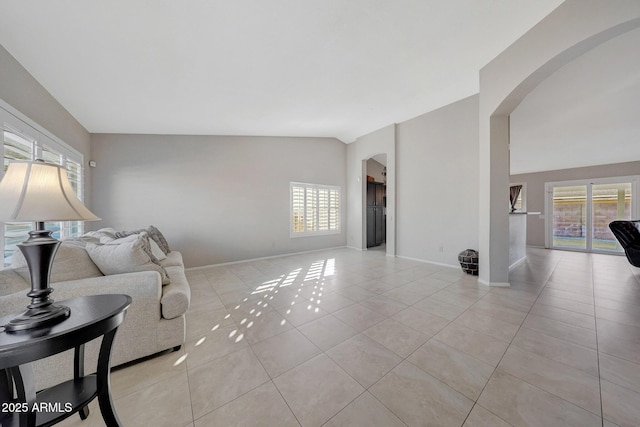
[(332, 68)]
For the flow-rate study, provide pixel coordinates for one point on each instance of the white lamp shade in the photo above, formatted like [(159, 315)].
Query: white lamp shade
[(39, 192)]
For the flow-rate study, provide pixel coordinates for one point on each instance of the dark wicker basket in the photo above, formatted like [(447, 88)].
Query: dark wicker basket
[(469, 261)]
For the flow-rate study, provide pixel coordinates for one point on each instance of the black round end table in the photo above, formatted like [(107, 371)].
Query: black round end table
[(91, 317)]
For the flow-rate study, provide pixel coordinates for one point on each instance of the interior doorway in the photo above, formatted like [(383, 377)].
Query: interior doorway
[(376, 201)]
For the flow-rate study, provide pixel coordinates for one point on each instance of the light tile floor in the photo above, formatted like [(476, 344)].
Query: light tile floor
[(349, 338)]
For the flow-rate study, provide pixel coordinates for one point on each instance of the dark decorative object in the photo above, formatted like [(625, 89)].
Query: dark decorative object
[(39, 192), (91, 317), (469, 261), (39, 250), (514, 192), (628, 234)]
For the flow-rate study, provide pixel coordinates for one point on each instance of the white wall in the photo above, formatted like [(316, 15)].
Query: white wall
[(437, 185), (218, 199), (19, 89), (584, 114)]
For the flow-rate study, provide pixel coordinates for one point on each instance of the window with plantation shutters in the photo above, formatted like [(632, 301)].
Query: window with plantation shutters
[(16, 146), (315, 209), (21, 141)]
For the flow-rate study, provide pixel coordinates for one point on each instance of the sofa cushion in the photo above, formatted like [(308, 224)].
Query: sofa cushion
[(154, 234), (126, 255), (148, 246), (156, 250), (70, 263), (82, 240), (109, 233), (11, 282)]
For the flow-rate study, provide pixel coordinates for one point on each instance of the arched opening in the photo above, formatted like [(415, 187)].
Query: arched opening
[(375, 203), (504, 84)]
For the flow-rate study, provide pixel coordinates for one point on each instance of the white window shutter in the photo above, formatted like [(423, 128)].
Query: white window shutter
[(315, 209)]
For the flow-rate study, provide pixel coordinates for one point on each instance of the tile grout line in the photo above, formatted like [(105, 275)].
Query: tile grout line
[(539, 294), (366, 389), (193, 416), (507, 349), (361, 332), (255, 355), (405, 359), (602, 419), (595, 320)]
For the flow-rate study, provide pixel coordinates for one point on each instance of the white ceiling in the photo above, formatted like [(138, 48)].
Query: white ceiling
[(334, 68)]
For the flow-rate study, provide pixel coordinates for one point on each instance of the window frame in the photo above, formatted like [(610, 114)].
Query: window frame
[(41, 141), (332, 228)]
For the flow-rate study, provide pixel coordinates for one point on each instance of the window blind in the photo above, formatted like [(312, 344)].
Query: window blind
[(315, 209), (22, 142)]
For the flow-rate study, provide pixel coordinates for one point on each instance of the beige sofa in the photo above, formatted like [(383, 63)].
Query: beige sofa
[(154, 322)]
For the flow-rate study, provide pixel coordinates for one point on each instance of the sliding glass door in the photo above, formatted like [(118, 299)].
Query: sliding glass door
[(569, 204), (579, 212), (610, 202)]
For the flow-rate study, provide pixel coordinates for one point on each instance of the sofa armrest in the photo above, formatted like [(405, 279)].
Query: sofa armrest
[(176, 296), (144, 287), (140, 285)]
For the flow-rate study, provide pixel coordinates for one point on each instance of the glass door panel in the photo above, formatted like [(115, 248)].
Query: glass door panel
[(570, 217), (610, 202)]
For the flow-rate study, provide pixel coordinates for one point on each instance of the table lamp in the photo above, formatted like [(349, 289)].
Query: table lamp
[(39, 192)]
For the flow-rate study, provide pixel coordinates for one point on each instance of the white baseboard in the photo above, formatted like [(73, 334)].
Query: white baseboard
[(263, 258), (428, 262), (494, 284), (518, 262)]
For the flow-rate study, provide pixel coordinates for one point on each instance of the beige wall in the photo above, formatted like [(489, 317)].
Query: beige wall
[(437, 185), (218, 199), (20, 90), (536, 195)]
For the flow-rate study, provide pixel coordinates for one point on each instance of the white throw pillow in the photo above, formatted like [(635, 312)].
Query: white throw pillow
[(71, 262), (102, 234), (125, 255), (156, 251)]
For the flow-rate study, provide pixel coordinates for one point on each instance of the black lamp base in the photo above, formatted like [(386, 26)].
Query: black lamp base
[(39, 250), (36, 318)]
